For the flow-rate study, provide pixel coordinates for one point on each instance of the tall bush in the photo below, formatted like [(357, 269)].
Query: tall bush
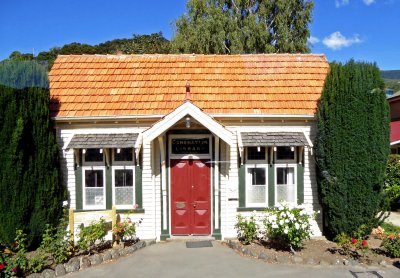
[(352, 146), (31, 192), (392, 182)]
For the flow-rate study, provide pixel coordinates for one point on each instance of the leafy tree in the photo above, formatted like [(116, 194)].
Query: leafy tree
[(392, 182), (146, 44), (243, 26), (352, 146), (31, 192)]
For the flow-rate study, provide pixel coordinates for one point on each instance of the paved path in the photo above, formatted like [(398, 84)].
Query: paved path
[(394, 218), (173, 259)]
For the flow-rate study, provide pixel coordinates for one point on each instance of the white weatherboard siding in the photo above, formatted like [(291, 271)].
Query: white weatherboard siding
[(150, 227)]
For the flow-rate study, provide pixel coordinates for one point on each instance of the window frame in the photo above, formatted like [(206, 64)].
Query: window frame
[(123, 167), (287, 165), (256, 163), (285, 161), (92, 168), (93, 163), (249, 183), (122, 162)]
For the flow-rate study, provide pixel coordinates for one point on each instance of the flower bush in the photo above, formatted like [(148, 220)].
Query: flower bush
[(288, 225), (246, 228), (391, 245), (126, 230)]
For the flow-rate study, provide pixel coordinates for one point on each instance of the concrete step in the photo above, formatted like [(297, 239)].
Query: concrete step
[(190, 238)]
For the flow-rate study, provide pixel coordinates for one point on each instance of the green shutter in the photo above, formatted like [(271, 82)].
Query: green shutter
[(300, 183), (242, 186), (271, 185), (138, 186), (78, 188)]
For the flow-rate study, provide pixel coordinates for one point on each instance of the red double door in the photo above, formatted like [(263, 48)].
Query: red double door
[(190, 197)]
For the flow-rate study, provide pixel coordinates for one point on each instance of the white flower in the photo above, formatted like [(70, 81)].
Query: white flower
[(281, 222), (297, 226), (275, 226), (285, 231), (65, 204), (287, 220)]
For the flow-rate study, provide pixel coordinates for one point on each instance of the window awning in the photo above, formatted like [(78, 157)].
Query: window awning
[(258, 139), (103, 141)]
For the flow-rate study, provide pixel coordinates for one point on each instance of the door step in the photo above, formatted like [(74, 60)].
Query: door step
[(190, 238)]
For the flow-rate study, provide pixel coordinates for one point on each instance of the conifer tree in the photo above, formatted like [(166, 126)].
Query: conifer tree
[(31, 192), (352, 146)]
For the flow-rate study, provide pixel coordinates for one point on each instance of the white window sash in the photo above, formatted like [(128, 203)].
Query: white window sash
[(249, 183), (289, 184), (90, 168), (128, 206)]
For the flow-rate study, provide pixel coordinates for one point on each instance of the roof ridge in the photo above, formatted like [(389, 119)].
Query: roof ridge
[(192, 54)]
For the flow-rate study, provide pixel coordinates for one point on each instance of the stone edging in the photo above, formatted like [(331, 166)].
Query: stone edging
[(295, 259), (84, 262)]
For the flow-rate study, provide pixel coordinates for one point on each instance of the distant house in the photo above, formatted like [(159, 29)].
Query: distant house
[(187, 141), (394, 103)]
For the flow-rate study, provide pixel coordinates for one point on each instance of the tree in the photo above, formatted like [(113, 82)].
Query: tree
[(392, 181), (352, 146), (31, 193), (243, 26)]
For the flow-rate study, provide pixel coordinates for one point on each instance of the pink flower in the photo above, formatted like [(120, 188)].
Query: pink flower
[(135, 206), (14, 269), (353, 240), (364, 243)]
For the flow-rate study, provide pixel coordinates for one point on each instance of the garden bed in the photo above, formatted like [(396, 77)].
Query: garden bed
[(84, 261), (314, 252)]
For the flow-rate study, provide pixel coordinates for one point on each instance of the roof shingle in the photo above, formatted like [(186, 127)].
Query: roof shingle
[(120, 85)]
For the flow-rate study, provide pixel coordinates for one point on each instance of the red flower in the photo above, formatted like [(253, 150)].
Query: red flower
[(391, 236), (364, 243), (2, 266), (14, 269), (353, 240)]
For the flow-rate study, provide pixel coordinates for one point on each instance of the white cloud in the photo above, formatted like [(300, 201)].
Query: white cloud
[(368, 2), (340, 3), (313, 40), (336, 41)]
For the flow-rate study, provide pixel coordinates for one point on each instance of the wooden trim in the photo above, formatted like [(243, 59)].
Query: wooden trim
[(242, 186), (138, 187), (78, 189), (271, 186)]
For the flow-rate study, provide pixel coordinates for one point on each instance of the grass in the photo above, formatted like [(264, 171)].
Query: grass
[(390, 228)]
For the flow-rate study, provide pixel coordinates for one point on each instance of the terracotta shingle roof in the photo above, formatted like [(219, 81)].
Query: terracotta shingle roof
[(117, 85)]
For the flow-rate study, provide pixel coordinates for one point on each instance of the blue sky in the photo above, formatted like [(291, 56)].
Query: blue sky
[(365, 30)]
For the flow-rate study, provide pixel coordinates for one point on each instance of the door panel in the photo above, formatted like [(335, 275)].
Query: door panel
[(190, 197)]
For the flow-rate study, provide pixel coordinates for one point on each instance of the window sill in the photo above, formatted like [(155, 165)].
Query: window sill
[(138, 210), (239, 209)]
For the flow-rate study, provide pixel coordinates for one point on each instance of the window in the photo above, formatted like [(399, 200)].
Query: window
[(123, 186), (93, 155), (123, 178), (125, 154), (285, 154), (285, 178), (256, 185), (256, 153), (93, 192), (256, 177)]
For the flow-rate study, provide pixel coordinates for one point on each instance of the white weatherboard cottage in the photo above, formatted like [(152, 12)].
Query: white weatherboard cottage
[(187, 142)]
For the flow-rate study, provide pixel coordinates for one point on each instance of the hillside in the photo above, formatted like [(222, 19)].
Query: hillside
[(138, 44), (390, 74)]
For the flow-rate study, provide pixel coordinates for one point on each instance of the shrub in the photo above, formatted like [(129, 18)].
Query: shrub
[(352, 147), (392, 182), (246, 228), (391, 245), (287, 225), (88, 236), (37, 262), (352, 246), (125, 230), (57, 243)]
